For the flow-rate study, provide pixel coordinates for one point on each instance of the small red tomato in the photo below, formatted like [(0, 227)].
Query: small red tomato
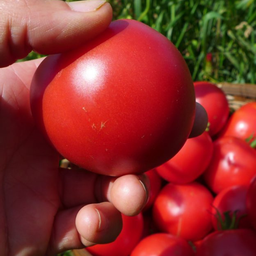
[(237, 242), (214, 100), (155, 182), (162, 244), (190, 162), (129, 237), (122, 103), (242, 123), (251, 203), (233, 163), (229, 209), (184, 210)]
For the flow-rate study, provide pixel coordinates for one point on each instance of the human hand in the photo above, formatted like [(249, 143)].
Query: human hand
[(45, 209)]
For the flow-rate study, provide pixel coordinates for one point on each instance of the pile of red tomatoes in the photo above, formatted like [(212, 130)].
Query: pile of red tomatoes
[(201, 201)]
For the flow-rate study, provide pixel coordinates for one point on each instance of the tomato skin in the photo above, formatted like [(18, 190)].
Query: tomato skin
[(233, 163), (232, 200), (214, 100), (242, 123), (184, 210), (128, 238), (237, 242), (250, 202), (190, 162), (155, 182), (162, 244), (122, 103)]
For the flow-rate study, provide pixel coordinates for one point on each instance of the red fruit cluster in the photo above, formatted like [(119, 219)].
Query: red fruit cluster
[(201, 201)]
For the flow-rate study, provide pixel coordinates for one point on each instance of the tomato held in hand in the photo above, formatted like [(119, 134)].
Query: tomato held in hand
[(129, 237), (233, 163), (190, 162), (184, 210), (122, 103), (236, 242), (214, 100), (162, 244)]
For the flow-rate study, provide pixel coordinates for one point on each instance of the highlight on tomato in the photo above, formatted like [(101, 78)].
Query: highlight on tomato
[(122, 103)]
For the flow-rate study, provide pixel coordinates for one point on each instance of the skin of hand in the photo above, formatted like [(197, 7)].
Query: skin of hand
[(44, 209)]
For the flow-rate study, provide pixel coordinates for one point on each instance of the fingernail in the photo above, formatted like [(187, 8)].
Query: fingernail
[(99, 217), (86, 6), (103, 224), (146, 191)]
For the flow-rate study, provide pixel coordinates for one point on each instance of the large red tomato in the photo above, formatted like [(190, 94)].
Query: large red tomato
[(233, 163), (251, 203), (190, 162), (122, 103), (214, 100), (162, 244), (238, 242), (129, 237), (242, 123), (184, 210)]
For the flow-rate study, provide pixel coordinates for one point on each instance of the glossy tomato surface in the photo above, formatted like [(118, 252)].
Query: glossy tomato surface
[(250, 202), (239, 242), (162, 244), (214, 100), (129, 237), (229, 209), (184, 210), (190, 162), (242, 123), (122, 103), (233, 163)]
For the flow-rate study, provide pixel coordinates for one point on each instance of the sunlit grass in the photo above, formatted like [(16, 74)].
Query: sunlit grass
[(222, 30)]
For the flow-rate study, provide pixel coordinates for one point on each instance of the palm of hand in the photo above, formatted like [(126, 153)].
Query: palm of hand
[(28, 171)]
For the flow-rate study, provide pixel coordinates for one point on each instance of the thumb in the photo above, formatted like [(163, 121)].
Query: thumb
[(47, 26)]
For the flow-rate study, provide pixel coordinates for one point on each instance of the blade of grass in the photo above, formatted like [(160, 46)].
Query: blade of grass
[(144, 13)]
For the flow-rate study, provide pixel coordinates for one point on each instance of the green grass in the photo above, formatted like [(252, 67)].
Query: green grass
[(224, 30), (67, 253)]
